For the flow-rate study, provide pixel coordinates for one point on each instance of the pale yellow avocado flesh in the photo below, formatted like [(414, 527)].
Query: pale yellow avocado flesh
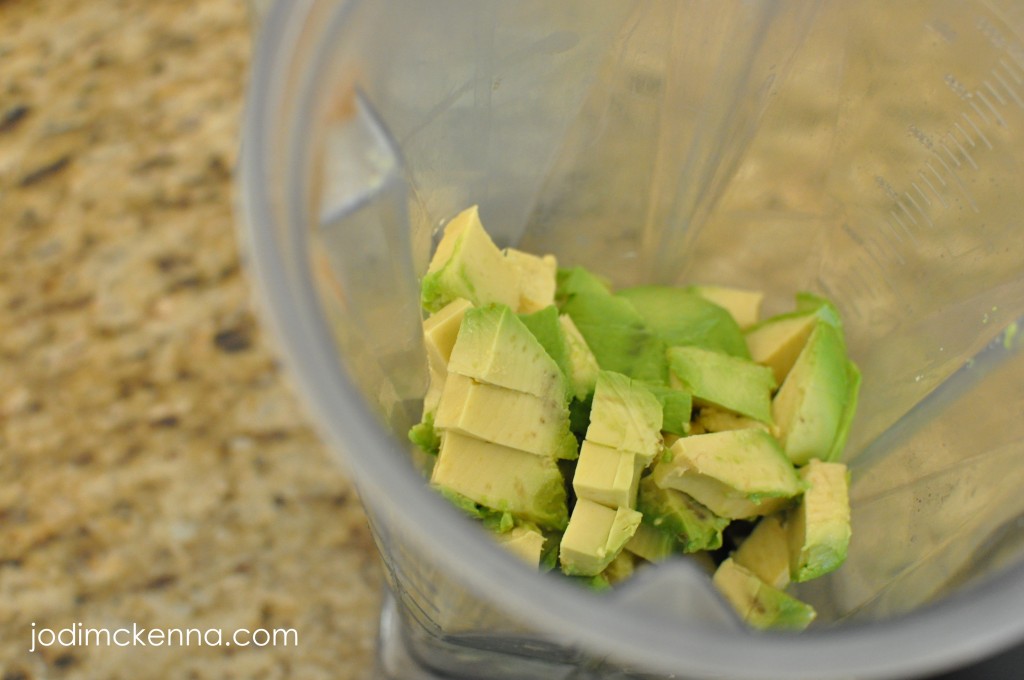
[(758, 603), (736, 473), (468, 265), (743, 305), (819, 527), (595, 535), (495, 347), (582, 362), (497, 414), (536, 279), (439, 332), (501, 478), (777, 343), (810, 403), (625, 416), (607, 476), (524, 543), (765, 552)]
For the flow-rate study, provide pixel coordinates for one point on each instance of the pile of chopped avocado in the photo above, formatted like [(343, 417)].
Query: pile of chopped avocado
[(594, 431)]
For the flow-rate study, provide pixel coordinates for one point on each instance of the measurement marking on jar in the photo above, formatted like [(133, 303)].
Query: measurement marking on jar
[(891, 228), (956, 177), (924, 197), (907, 213), (924, 178), (984, 99), (963, 151), (1009, 70), (903, 226), (999, 97), (916, 205), (888, 235), (964, 133), (1012, 92), (971, 122), (950, 154), (981, 114)]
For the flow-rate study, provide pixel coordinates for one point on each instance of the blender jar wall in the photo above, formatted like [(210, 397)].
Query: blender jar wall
[(297, 75)]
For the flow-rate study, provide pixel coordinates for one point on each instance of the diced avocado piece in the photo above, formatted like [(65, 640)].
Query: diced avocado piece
[(425, 436), (625, 415), (714, 419), (607, 476), (759, 604), (621, 568), (853, 379), (537, 425), (494, 346), (809, 406), (743, 305), (765, 552), (576, 280), (654, 545), (524, 542), (693, 525), (594, 537), (821, 307), (529, 487), (618, 337), (496, 521), (468, 265), (440, 330), (536, 279), (777, 342), (583, 363), (819, 527), (676, 408), (720, 380), (681, 317), (736, 473), (435, 387), (548, 330)]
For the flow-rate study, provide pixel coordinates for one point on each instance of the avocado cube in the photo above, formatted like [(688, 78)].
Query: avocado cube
[(853, 379), (811, 402), (681, 317), (595, 535), (576, 280), (713, 419), (440, 330), (819, 527), (625, 416), (765, 552), (494, 346), (692, 525), (736, 473), (652, 544), (777, 342), (743, 305), (536, 279), (618, 336), (524, 542), (468, 265), (582, 362), (533, 424), (758, 603), (504, 479), (607, 476), (550, 333), (621, 568), (676, 408), (720, 380)]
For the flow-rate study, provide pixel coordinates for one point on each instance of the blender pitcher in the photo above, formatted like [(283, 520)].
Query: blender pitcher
[(869, 152)]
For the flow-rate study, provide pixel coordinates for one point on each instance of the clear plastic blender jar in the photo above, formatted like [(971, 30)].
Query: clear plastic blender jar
[(871, 152)]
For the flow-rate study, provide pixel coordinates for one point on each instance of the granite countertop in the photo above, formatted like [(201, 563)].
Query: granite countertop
[(155, 468)]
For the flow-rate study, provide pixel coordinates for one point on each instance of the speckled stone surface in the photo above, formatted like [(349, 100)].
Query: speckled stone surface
[(154, 466)]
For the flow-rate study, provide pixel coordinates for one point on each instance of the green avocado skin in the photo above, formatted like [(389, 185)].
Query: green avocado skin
[(618, 337), (684, 318)]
